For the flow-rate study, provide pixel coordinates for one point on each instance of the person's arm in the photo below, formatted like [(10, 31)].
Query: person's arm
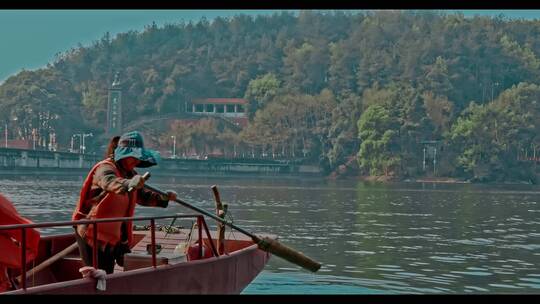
[(150, 198), (107, 180), (105, 177)]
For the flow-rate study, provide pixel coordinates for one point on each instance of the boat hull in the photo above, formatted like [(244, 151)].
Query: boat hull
[(226, 274)]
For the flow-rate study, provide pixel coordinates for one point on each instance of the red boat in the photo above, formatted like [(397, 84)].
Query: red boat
[(155, 265)]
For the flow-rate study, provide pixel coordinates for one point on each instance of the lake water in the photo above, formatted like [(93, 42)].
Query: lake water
[(410, 238)]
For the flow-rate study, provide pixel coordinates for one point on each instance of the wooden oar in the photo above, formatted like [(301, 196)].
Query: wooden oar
[(266, 244)]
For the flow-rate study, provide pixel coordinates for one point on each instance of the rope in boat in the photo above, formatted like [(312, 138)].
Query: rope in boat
[(33, 273), (164, 228), (231, 231)]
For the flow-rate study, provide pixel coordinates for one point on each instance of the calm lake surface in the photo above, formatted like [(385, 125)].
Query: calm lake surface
[(410, 238)]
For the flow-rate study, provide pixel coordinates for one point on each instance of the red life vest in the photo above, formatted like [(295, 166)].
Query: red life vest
[(10, 256), (111, 205)]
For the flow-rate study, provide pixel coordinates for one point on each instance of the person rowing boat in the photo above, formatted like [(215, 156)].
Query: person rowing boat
[(112, 189)]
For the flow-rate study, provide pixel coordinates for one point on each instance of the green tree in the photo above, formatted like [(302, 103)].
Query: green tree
[(439, 110), (488, 137), (379, 146), (261, 90), (343, 132), (437, 78)]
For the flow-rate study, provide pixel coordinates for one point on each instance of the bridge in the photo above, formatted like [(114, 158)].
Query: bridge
[(177, 115)]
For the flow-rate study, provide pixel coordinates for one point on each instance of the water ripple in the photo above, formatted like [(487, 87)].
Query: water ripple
[(391, 238)]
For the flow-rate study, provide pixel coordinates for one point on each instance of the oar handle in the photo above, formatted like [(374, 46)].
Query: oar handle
[(145, 176)]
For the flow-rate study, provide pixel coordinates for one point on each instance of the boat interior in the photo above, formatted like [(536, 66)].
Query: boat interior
[(171, 248)]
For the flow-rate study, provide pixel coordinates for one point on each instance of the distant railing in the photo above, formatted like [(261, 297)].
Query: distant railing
[(533, 159), (134, 124)]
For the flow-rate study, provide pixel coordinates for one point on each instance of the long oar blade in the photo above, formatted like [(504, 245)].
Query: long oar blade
[(273, 246)]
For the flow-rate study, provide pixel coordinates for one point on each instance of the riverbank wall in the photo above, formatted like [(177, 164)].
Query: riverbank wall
[(37, 162)]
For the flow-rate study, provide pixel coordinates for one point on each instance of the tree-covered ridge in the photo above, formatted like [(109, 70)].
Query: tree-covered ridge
[(322, 85)]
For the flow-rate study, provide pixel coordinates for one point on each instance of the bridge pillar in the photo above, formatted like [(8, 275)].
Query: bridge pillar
[(81, 160), (24, 158), (57, 159)]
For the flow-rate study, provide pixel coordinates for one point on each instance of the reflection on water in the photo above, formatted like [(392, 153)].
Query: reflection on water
[(370, 238)]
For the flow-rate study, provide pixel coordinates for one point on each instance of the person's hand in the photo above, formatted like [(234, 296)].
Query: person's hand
[(171, 195), (136, 182)]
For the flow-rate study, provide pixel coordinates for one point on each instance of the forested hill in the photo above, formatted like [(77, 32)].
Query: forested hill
[(322, 86)]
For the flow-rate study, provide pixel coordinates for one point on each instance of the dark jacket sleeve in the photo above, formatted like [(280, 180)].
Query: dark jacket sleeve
[(150, 198)]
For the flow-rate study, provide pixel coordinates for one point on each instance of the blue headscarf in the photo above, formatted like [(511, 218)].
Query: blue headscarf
[(131, 144)]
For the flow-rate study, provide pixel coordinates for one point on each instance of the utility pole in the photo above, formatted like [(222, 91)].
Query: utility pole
[(496, 84), (34, 138), (174, 146), (80, 141), (434, 161), (424, 161), (83, 145)]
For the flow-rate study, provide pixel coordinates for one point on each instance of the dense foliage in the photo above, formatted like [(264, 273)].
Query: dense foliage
[(406, 93)]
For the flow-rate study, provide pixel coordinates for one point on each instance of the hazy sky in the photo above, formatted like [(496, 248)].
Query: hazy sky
[(29, 39)]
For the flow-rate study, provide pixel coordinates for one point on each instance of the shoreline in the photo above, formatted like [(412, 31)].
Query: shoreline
[(438, 180), (81, 172)]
